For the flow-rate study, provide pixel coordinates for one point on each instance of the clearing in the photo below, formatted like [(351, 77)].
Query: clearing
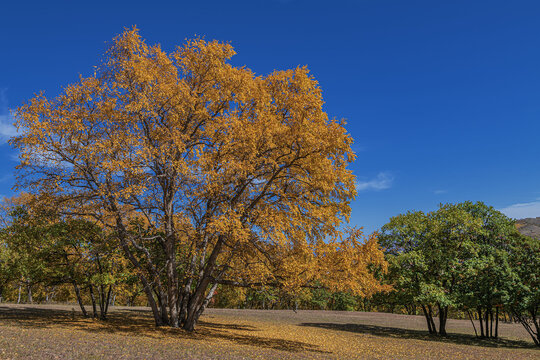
[(60, 332)]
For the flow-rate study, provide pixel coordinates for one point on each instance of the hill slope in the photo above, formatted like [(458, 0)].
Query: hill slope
[(529, 227)]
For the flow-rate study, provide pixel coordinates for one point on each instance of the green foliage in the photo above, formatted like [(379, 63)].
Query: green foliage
[(342, 301), (428, 253), (465, 256), (319, 299), (524, 293), (44, 252)]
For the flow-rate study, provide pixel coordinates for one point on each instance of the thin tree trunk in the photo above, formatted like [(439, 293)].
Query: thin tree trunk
[(93, 298), (206, 301), (480, 320), (106, 305), (491, 322), (29, 292), (487, 323), (472, 322), (426, 314), (431, 320), (122, 235), (497, 322), (518, 316), (50, 295), (79, 299), (173, 284), (101, 291)]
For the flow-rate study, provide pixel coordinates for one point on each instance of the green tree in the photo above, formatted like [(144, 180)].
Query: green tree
[(487, 285), (428, 255), (524, 298), (48, 249), (6, 265)]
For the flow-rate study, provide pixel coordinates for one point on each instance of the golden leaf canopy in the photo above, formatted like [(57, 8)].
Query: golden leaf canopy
[(211, 156)]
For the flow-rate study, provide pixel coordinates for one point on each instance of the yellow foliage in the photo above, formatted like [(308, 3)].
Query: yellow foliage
[(213, 157)]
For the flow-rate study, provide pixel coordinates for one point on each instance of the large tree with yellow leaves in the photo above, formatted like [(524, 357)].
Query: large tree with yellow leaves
[(206, 173)]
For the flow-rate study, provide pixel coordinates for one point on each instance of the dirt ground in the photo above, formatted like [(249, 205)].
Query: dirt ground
[(60, 332)]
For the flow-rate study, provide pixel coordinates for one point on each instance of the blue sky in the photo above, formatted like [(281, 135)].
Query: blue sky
[(441, 97)]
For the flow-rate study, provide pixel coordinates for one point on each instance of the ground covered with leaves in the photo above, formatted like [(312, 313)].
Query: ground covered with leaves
[(60, 332)]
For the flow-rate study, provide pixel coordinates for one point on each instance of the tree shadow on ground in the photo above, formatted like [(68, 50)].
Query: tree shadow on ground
[(134, 322), (393, 332)]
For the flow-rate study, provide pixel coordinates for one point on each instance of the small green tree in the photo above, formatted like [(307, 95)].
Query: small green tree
[(42, 247)]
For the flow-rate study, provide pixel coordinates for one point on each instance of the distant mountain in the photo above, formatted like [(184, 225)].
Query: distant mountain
[(529, 227)]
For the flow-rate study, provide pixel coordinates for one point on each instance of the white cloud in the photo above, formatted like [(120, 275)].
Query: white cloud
[(357, 148), (7, 130), (383, 181), (440, 191), (523, 210)]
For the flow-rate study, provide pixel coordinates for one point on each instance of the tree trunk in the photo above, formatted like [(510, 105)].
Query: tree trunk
[(431, 330), (50, 295), (29, 291), (491, 322), (486, 321), (480, 320), (19, 297), (93, 298), (173, 284), (497, 322), (518, 316), (122, 236), (163, 307), (105, 307), (101, 297), (472, 322), (195, 304), (206, 301), (533, 311), (431, 320), (443, 312), (79, 299)]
